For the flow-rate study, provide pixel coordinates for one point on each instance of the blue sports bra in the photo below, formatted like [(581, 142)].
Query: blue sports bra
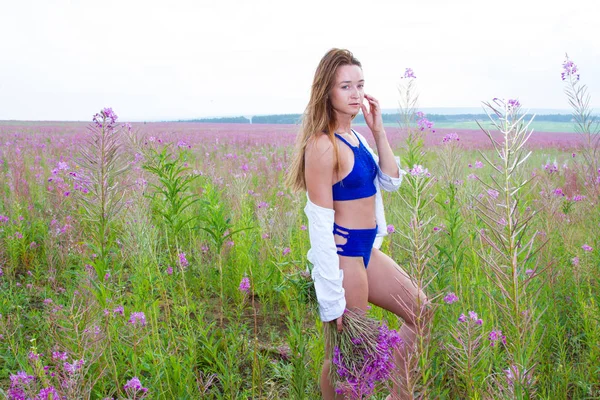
[(359, 183)]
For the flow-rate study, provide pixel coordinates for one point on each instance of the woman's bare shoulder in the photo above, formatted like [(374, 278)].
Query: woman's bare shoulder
[(319, 149)]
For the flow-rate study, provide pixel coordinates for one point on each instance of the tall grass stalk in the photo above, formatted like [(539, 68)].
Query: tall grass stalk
[(417, 244), (508, 250), (586, 124), (217, 223), (102, 162), (171, 197)]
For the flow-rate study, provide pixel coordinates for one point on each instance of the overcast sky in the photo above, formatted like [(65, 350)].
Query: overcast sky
[(152, 60)]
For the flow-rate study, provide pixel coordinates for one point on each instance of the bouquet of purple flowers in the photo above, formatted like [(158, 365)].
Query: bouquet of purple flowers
[(362, 354)]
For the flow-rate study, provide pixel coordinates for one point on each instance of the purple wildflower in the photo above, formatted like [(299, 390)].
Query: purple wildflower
[(286, 251), (450, 137), (137, 318), (493, 193), (418, 170), (245, 285), (21, 378), (134, 387), (48, 393), (423, 122), (551, 167), (558, 192), (569, 69), (119, 310), (409, 73), (514, 375), (391, 229), (510, 375), (106, 117), (183, 261), (462, 318), (586, 247), (496, 336), (358, 381), (575, 261), (74, 367), (18, 383), (473, 316), (513, 103), (451, 298), (57, 355)]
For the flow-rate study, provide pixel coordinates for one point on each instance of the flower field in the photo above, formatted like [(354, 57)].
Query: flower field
[(168, 261), (192, 282)]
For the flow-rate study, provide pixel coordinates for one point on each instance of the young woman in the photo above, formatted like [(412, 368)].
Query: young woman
[(342, 177)]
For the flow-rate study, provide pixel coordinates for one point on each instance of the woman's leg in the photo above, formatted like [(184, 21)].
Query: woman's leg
[(391, 288), (356, 290)]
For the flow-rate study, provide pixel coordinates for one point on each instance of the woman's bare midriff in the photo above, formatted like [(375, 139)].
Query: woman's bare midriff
[(354, 214)]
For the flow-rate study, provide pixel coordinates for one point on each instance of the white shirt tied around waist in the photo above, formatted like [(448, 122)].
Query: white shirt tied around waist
[(326, 272)]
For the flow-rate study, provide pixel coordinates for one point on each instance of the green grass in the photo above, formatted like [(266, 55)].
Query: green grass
[(204, 338)]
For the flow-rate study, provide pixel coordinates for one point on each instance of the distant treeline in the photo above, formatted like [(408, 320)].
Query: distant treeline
[(225, 120), (387, 118)]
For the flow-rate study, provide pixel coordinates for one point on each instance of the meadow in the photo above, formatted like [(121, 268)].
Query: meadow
[(167, 261), (538, 126)]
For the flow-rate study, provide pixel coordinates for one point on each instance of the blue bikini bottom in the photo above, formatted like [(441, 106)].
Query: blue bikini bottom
[(359, 242)]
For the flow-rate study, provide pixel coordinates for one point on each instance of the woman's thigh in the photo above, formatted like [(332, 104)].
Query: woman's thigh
[(391, 288), (355, 283)]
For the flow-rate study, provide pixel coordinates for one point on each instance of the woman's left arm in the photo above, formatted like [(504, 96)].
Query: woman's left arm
[(374, 120)]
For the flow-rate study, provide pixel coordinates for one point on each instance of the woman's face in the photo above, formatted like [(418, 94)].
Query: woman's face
[(347, 93)]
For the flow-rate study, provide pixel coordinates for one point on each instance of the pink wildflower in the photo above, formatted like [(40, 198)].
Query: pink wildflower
[(183, 261), (245, 285), (137, 318), (450, 298)]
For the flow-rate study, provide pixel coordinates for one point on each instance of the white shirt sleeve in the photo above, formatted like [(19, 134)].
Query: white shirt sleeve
[(326, 273)]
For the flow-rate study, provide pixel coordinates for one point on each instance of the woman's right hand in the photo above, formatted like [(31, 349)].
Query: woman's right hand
[(339, 323)]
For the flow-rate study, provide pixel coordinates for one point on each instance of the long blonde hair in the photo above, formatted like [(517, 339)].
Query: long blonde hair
[(318, 116)]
